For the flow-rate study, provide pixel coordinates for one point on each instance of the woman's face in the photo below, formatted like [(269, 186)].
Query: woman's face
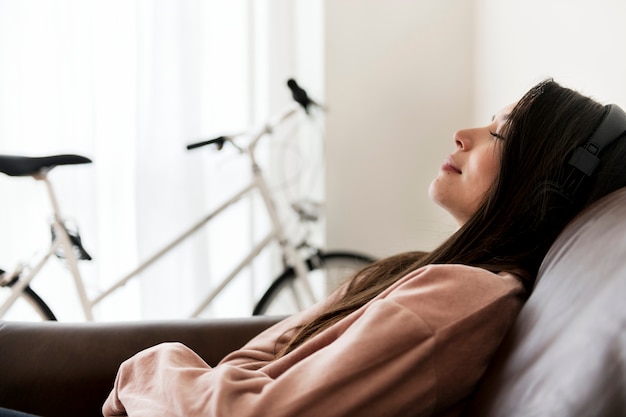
[(468, 173)]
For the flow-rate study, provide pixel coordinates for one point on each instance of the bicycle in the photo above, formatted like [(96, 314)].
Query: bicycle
[(310, 273)]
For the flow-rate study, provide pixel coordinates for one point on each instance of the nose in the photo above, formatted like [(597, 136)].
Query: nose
[(461, 139)]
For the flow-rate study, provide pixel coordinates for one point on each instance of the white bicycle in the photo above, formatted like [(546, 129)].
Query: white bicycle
[(310, 273)]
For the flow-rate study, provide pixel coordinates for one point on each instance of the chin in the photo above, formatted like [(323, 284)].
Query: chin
[(432, 191), (439, 198), (436, 194)]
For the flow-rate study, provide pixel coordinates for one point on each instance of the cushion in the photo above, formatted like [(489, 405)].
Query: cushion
[(566, 354)]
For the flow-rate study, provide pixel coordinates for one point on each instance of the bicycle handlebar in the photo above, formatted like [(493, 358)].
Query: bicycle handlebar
[(299, 95), (219, 141)]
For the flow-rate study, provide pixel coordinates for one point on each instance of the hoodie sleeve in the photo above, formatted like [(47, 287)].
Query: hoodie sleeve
[(383, 360), (262, 349)]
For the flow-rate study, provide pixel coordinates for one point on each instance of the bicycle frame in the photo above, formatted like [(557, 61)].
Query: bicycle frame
[(258, 182), (61, 241)]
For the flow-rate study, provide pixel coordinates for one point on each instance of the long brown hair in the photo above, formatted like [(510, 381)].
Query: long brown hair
[(523, 212)]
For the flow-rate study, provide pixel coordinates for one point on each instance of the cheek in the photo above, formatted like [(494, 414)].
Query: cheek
[(487, 172)]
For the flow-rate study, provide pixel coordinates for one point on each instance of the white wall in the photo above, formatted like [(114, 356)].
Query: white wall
[(399, 83), (402, 76), (580, 43)]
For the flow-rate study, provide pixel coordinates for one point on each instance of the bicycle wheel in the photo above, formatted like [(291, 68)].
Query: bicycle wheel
[(28, 306), (287, 295)]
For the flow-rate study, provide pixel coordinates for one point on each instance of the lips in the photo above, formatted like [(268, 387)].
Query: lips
[(450, 166)]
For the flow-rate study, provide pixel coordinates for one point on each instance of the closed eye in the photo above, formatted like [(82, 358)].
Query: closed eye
[(496, 135)]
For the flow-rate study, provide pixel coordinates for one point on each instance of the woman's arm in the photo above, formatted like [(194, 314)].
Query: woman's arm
[(418, 349), (263, 348), (356, 375)]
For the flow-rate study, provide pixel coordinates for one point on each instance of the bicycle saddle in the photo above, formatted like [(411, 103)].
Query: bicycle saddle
[(19, 166)]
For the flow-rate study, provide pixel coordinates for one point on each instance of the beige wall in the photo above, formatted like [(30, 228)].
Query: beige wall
[(398, 84), (580, 43)]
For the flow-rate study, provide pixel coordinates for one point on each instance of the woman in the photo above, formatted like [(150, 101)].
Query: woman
[(412, 334)]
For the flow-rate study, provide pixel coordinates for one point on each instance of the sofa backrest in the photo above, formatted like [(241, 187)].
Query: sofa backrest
[(566, 354)]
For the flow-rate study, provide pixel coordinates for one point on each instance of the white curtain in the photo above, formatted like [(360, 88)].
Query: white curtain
[(129, 84)]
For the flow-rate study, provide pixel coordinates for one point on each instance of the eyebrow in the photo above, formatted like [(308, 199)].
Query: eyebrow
[(504, 118)]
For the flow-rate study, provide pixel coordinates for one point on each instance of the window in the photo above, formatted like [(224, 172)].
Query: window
[(129, 84)]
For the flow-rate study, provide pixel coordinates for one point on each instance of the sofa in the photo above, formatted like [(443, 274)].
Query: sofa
[(564, 356)]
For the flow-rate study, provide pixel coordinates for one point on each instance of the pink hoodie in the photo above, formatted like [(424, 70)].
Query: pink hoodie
[(418, 349)]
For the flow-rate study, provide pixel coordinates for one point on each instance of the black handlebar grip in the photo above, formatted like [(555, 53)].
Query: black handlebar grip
[(299, 94), (219, 142)]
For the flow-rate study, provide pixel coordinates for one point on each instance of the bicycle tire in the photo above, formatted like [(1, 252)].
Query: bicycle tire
[(326, 272), (28, 307)]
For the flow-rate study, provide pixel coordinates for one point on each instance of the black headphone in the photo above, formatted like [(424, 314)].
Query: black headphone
[(584, 160)]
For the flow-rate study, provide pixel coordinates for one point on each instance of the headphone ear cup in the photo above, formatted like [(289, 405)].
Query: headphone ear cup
[(557, 199), (585, 159), (551, 199), (561, 194)]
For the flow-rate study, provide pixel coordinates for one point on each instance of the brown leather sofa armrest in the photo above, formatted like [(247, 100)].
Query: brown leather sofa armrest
[(53, 369)]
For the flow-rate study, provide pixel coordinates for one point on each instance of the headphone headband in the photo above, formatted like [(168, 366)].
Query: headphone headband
[(612, 127), (584, 160)]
